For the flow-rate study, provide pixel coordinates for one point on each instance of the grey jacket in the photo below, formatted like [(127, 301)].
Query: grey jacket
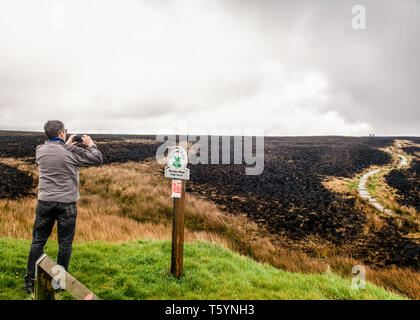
[(58, 166)]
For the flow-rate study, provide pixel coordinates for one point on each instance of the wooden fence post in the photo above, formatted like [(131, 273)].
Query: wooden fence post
[(46, 270), (43, 289)]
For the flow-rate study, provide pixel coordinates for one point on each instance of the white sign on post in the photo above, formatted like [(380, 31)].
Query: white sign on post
[(177, 164), (176, 188)]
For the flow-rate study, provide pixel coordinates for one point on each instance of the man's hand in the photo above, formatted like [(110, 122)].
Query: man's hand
[(87, 141), (70, 140)]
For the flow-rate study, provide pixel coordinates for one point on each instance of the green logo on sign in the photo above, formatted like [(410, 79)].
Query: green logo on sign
[(177, 162)]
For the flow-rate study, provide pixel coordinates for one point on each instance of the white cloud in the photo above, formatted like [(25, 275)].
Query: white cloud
[(141, 67)]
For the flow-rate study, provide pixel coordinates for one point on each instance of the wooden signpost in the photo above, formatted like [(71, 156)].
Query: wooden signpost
[(178, 234), (178, 172)]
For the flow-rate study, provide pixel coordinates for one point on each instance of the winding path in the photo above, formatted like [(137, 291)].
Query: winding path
[(363, 191)]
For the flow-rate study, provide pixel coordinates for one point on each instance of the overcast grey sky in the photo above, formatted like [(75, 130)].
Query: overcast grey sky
[(287, 67)]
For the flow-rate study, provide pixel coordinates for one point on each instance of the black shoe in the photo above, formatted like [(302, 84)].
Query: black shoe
[(29, 285)]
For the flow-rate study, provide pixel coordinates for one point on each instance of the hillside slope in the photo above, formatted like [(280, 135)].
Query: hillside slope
[(140, 270)]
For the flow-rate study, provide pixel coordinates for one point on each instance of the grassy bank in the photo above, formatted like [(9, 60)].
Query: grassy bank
[(140, 270)]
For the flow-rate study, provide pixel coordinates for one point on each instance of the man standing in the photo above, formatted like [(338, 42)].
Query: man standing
[(58, 190)]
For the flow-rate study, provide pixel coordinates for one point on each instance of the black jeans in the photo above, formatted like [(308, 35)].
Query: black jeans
[(46, 214)]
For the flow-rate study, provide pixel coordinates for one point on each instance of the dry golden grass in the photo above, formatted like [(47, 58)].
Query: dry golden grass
[(17, 219), (121, 202), (22, 164), (340, 185), (124, 202)]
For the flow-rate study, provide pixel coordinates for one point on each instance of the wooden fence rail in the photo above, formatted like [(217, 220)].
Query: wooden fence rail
[(46, 271)]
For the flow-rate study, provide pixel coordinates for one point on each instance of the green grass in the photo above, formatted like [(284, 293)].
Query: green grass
[(374, 183), (140, 270), (377, 189), (352, 184)]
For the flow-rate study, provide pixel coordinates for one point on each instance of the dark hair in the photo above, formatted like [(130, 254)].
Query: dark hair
[(53, 127)]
